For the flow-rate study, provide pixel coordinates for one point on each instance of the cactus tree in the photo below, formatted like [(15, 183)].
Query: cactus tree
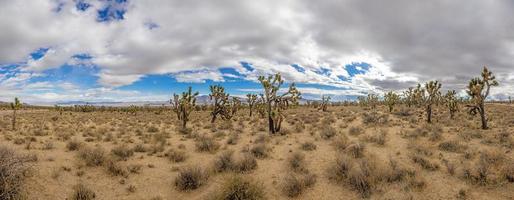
[(451, 102), (251, 100), (275, 103), (372, 100), (324, 103), (478, 90), (183, 105), (16, 105), (220, 101), (428, 96), (391, 99), (409, 97)]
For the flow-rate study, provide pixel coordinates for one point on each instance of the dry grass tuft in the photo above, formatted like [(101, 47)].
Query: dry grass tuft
[(239, 188), (12, 173), (191, 178)]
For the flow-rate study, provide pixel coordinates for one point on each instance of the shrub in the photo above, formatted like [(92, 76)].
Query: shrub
[(355, 130), (123, 152), (206, 144), (12, 174), (294, 185), (358, 179), (73, 145), (425, 163), (356, 150), (190, 179), (296, 162), (259, 151), (82, 192), (328, 132), (308, 146), (452, 146), (116, 169), (237, 187), (176, 156), (224, 162), (92, 156), (232, 139)]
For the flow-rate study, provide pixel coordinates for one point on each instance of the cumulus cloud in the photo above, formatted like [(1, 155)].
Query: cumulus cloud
[(403, 41)]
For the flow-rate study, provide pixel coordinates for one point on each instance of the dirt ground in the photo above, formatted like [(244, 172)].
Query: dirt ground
[(395, 155)]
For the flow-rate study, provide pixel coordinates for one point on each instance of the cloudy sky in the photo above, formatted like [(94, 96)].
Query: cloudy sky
[(134, 50)]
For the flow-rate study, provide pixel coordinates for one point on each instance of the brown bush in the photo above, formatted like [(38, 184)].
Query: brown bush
[(191, 178), (82, 192), (12, 174), (238, 187)]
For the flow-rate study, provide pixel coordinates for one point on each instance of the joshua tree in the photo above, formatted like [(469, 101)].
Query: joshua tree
[(220, 101), (478, 90), (252, 100), (409, 97), (324, 103), (16, 105), (372, 100), (58, 108), (391, 99), (275, 104), (451, 102), (183, 105), (427, 96), (362, 101), (510, 100)]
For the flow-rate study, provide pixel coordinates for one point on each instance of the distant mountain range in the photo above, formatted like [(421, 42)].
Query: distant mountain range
[(203, 99)]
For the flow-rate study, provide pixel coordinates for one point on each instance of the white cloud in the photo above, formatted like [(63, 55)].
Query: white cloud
[(404, 41)]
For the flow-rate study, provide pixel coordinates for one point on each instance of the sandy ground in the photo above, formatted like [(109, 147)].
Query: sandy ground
[(58, 169)]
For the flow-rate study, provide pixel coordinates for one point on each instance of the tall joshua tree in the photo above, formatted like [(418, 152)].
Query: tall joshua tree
[(428, 96), (16, 105), (220, 101), (372, 100), (391, 99), (324, 103), (408, 96), (251, 99), (183, 105), (451, 102), (276, 103), (478, 90)]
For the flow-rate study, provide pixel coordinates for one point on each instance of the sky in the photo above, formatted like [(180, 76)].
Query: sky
[(134, 50)]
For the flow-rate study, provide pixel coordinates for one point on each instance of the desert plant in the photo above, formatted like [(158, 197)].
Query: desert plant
[(16, 105), (324, 103), (372, 100), (275, 103), (184, 105), (219, 102), (82, 192), (391, 99), (92, 156), (238, 188), (409, 97), (428, 96), (251, 100), (478, 90), (190, 179), (451, 102), (12, 174)]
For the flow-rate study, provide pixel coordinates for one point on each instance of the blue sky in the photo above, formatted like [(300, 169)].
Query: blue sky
[(129, 50)]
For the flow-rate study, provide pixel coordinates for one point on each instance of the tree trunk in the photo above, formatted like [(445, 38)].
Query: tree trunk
[(251, 111), (213, 119), (482, 116), (429, 113), (271, 124), (452, 114)]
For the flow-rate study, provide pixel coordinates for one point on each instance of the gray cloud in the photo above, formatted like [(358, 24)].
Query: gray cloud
[(405, 41)]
